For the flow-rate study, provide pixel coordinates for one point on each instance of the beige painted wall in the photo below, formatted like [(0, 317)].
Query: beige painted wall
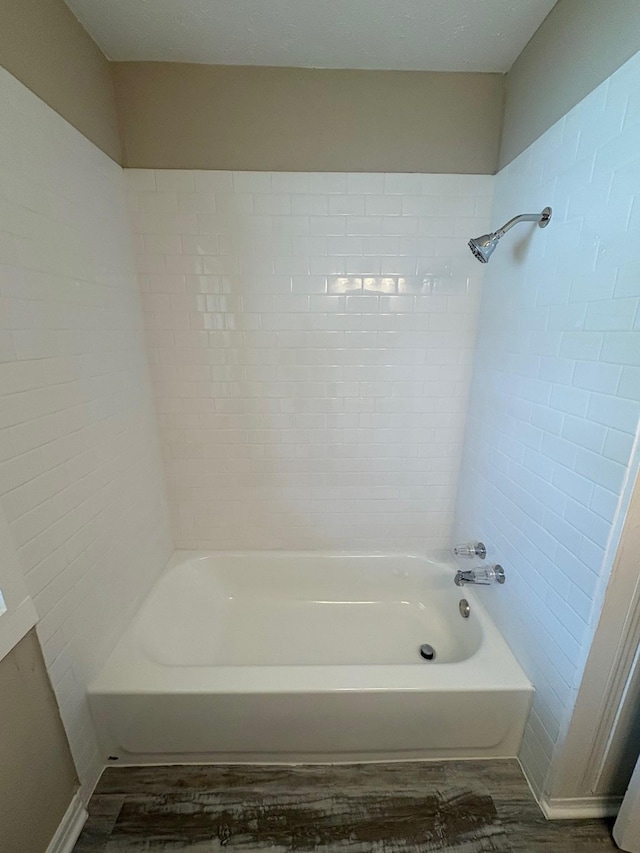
[(182, 116), (216, 117), (37, 775), (44, 46), (578, 45)]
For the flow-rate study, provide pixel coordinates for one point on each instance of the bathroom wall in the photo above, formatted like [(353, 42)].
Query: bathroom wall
[(80, 475), (35, 762), (45, 47), (310, 338), (176, 115), (556, 394), (578, 46)]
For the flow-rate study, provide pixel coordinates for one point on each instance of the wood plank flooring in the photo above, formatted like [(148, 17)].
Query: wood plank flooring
[(435, 807)]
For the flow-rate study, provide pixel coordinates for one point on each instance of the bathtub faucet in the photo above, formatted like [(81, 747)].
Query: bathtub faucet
[(482, 576)]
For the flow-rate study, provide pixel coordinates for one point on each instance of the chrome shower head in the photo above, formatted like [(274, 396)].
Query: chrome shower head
[(484, 246)]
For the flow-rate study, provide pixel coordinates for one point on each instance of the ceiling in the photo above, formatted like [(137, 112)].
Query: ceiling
[(428, 35)]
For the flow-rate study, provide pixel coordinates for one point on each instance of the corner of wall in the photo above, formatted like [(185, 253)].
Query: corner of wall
[(46, 48), (578, 46)]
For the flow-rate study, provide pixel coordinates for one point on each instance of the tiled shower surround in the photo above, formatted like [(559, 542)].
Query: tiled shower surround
[(549, 459), (81, 481), (310, 339)]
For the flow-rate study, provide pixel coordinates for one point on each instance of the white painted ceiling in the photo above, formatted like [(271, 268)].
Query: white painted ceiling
[(430, 35)]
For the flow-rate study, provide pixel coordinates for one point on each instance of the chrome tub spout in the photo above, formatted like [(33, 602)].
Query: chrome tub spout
[(481, 577)]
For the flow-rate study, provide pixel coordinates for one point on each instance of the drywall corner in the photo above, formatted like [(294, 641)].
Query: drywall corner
[(578, 46), (44, 46)]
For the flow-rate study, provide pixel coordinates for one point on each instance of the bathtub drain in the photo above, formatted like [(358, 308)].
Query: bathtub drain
[(427, 651)]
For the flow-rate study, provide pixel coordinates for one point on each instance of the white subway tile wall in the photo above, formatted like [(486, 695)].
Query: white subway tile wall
[(556, 392), (310, 339), (81, 480)]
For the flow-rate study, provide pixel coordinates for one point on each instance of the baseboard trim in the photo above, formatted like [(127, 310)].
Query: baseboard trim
[(559, 808), (70, 827)]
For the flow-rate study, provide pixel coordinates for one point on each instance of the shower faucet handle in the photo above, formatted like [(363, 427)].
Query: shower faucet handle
[(470, 549)]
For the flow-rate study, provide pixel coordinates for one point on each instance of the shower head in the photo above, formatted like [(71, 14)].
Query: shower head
[(484, 246)]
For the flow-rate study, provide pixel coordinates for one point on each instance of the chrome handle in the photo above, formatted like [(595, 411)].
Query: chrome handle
[(470, 549)]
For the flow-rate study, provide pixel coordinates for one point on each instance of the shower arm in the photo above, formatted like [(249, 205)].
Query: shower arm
[(541, 218)]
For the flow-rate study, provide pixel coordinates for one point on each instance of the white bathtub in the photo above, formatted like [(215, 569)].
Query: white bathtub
[(304, 656)]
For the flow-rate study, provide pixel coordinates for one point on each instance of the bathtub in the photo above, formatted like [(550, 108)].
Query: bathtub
[(282, 656)]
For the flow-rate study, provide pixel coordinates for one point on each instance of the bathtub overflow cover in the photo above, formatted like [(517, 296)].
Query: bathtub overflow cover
[(464, 608), (427, 651)]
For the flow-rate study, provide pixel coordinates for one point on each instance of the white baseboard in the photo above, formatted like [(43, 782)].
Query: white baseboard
[(559, 808), (70, 827)]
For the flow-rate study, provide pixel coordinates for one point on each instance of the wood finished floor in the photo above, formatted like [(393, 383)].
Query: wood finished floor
[(456, 807)]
